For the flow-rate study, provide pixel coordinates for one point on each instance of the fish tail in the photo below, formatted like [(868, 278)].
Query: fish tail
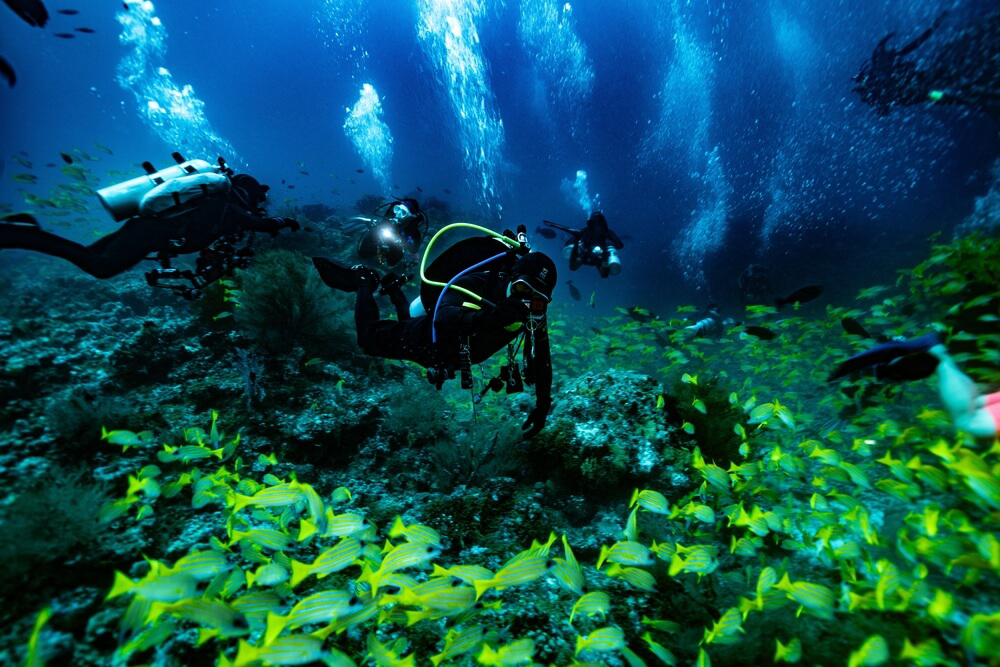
[(275, 624), (299, 572), (482, 585), (121, 586)]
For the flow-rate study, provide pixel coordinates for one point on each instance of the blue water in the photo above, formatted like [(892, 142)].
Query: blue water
[(712, 133)]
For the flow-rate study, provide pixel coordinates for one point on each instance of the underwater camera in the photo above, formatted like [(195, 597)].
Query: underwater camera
[(383, 244)]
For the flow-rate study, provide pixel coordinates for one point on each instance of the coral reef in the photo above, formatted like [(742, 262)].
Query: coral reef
[(724, 499), (283, 304)]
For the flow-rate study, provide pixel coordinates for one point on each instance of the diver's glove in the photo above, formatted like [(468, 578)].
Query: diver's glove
[(536, 418), (507, 312), (288, 223)]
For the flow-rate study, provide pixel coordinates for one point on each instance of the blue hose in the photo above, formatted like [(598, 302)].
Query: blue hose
[(437, 304)]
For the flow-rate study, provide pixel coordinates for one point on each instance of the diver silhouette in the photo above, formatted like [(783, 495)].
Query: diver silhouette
[(187, 208)]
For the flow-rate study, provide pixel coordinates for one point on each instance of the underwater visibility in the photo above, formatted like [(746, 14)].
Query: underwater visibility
[(500, 333)]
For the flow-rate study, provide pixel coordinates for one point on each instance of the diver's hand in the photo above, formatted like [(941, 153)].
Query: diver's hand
[(508, 311), (289, 223), (536, 418)]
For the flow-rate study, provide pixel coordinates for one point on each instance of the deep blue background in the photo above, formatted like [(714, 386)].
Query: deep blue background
[(867, 192)]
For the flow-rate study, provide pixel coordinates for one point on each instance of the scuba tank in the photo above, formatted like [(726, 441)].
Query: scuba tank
[(611, 262), (159, 191)]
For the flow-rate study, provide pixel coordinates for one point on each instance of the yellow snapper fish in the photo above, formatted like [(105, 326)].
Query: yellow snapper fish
[(321, 607), (713, 475), (568, 572), (875, 651), (638, 578), (814, 597), (726, 629), (270, 574), (201, 565), (268, 538), (467, 573), (288, 650), (346, 552), (791, 652), (516, 652), (517, 571), (403, 556), (651, 501), (162, 588), (603, 639), (625, 553), (595, 603), (700, 559), (210, 613), (388, 656), (459, 642), (415, 533), (660, 651), (440, 594)]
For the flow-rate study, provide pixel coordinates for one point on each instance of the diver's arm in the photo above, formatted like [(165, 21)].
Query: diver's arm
[(245, 221), (922, 37), (615, 241)]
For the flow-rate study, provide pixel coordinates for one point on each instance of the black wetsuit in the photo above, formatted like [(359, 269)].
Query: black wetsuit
[(142, 237), (596, 234), (410, 338), (963, 71)]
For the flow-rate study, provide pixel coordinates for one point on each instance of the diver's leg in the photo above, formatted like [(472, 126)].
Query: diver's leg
[(109, 256), (961, 398), (575, 261), (366, 314)]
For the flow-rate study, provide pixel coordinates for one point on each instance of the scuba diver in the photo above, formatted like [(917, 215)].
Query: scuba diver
[(594, 245), (712, 325), (755, 286), (478, 296), (970, 410), (396, 236), (962, 72), (190, 207)]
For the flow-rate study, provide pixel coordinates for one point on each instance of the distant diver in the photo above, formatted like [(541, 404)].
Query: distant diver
[(755, 285), (711, 324), (594, 245), (480, 295), (32, 11), (191, 207), (964, 71), (970, 410)]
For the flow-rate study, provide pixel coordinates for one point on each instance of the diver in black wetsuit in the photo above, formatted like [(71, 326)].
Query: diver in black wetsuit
[(755, 286), (387, 241), (964, 71), (594, 245), (212, 225), (462, 332)]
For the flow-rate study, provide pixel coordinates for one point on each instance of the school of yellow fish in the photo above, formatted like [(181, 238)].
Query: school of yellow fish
[(295, 576)]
